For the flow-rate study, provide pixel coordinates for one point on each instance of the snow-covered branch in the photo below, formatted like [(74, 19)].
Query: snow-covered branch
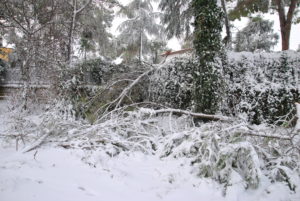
[(194, 115)]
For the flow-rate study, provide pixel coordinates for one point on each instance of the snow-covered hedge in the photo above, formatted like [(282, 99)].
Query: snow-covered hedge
[(263, 85), (90, 86), (257, 86), (171, 85)]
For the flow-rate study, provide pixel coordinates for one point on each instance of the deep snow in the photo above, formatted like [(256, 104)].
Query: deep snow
[(54, 173), (58, 174)]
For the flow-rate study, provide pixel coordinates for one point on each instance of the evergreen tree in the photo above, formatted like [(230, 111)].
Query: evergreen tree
[(94, 30), (157, 47), (177, 16), (207, 42), (257, 35), (140, 23)]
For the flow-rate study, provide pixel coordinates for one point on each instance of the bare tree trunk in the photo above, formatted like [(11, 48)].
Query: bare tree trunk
[(141, 46), (72, 28), (25, 78), (227, 24), (285, 22), (141, 38)]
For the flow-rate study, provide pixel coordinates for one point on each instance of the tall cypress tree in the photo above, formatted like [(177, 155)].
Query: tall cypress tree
[(208, 45)]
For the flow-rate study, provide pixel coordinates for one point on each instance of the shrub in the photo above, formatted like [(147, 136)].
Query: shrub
[(259, 87)]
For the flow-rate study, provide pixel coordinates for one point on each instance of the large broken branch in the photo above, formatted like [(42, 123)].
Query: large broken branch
[(278, 137), (128, 88), (193, 114)]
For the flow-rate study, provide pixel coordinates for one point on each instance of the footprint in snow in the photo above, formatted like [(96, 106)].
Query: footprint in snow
[(87, 192)]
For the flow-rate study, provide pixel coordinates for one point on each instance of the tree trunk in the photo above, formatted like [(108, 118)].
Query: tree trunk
[(72, 27), (141, 46), (25, 78), (141, 38), (227, 24), (285, 22)]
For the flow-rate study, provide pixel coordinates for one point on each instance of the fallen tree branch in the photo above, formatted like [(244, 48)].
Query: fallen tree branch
[(119, 100), (267, 136), (193, 114)]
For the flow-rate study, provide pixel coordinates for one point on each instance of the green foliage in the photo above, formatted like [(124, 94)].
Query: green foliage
[(156, 47), (94, 30), (86, 42), (208, 45), (177, 16), (263, 86), (136, 29), (257, 35), (244, 8), (222, 151), (172, 84)]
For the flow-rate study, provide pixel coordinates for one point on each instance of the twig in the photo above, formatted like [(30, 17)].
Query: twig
[(34, 156)]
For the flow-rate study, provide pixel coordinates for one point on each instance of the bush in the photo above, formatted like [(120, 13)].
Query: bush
[(262, 86), (172, 84), (98, 71), (93, 85), (259, 87)]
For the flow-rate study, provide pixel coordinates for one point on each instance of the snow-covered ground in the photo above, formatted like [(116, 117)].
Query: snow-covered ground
[(58, 174), (54, 173)]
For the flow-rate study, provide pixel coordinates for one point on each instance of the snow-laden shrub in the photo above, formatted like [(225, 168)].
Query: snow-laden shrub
[(171, 85), (216, 154), (263, 86), (92, 86), (260, 87), (223, 152), (99, 71)]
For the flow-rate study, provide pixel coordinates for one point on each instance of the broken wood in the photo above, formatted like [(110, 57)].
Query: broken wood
[(193, 114)]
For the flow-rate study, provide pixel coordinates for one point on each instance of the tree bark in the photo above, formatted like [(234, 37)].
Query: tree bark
[(141, 38), (195, 115), (285, 21), (72, 28), (227, 24)]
